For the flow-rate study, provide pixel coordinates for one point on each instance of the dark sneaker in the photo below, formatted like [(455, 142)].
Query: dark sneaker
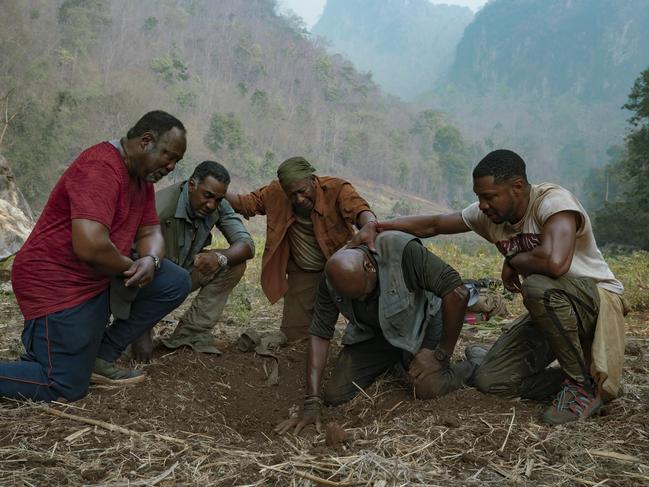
[(109, 373), (574, 401), (475, 353)]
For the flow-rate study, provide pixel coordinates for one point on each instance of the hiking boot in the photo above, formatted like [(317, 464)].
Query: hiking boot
[(109, 373), (475, 353), (574, 401)]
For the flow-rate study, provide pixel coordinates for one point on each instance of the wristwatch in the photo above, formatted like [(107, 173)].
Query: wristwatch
[(156, 261), (441, 355), (223, 259)]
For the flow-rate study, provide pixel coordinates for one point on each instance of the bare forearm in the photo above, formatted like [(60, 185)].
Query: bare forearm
[(106, 259), (453, 310), (234, 200), (237, 253), (316, 361), (365, 217), (538, 261), (152, 244), (419, 225), (91, 244)]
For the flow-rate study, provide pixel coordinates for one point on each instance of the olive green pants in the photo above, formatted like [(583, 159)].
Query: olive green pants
[(359, 365), (560, 324), (195, 327), (299, 301)]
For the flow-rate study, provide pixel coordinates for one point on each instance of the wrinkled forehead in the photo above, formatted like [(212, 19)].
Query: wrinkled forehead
[(298, 186)]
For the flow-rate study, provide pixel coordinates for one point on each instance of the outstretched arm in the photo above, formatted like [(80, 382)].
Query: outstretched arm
[(316, 361), (421, 226), (427, 225)]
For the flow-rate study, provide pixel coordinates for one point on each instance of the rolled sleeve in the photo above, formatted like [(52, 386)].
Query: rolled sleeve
[(424, 270), (251, 204), (325, 313), (232, 227), (351, 204)]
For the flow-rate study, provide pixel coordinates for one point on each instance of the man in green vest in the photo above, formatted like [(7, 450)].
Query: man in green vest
[(405, 307), (188, 211)]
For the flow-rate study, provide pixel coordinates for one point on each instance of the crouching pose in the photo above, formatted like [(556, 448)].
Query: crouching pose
[(402, 301), (102, 206), (574, 302), (188, 211)]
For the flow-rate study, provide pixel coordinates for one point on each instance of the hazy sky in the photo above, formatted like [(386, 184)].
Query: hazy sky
[(310, 10)]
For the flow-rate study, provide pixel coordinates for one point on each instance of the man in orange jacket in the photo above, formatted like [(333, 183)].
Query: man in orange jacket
[(308, 218)]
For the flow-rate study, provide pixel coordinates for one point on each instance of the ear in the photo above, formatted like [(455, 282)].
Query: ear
[(191, 184), (517, 185), (147, 140)]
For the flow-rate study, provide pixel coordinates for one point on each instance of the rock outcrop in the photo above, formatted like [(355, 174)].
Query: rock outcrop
[(16, 218)]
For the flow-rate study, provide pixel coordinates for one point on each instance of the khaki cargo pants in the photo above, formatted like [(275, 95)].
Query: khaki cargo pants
[(560, 324), (195, 327), (299, 301)]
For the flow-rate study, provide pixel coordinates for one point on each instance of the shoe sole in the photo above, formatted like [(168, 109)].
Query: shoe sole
[(101, 379)]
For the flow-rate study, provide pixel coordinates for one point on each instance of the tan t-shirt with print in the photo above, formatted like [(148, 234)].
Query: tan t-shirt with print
[(545, 200)]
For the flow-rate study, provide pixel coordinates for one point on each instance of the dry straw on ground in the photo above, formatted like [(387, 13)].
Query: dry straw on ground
[(205, 420)]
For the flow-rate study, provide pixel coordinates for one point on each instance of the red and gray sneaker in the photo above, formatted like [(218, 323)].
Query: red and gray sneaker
[(574, 401)]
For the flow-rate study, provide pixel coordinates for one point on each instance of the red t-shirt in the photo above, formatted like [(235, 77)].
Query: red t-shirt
[(47, 276)]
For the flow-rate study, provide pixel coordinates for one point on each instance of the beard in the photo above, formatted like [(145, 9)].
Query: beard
[(302, 212)]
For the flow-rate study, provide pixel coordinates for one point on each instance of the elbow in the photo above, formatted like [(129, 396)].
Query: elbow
[(250, 254), (458, 297), (558, 267), (84, 252)]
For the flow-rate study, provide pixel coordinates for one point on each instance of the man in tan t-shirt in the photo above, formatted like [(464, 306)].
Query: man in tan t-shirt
[(551, 258)]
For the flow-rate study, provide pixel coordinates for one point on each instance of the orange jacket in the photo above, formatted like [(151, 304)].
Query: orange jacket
[(336, 210)]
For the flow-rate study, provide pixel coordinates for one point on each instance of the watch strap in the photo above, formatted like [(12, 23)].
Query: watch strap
[(156, 261)]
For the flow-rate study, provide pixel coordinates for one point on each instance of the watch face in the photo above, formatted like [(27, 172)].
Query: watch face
[(440, 355)]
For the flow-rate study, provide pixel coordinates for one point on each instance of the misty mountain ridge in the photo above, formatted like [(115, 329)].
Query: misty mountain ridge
[(406, 44), (546, 78), (252, 87), (591, 49)]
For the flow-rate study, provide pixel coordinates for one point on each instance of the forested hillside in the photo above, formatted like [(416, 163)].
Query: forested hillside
[(250, 85), (407, 44)]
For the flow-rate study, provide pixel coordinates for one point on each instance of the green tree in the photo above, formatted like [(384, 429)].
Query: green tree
[(453, 161), (225, 132), (626, 222)]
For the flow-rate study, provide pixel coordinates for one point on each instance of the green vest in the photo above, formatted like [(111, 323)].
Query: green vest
[(403, 314)]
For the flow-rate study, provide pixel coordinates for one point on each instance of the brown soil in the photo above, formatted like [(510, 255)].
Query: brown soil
[(214, 417)]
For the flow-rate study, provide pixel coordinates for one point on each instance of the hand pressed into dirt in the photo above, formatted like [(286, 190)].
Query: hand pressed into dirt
[(142, 348), (299, 424), (423, 364)]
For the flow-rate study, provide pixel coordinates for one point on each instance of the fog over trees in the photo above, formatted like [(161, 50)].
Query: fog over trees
[(251, 86), (546, 78)]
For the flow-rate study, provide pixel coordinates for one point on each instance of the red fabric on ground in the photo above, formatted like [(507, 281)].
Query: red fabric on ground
[(46, 275)]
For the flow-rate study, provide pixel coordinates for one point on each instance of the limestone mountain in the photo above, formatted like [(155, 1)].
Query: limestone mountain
[(591, 49), (547, 78), (406, 44)]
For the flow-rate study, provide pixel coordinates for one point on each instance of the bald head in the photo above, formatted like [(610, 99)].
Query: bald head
[(351, 273)]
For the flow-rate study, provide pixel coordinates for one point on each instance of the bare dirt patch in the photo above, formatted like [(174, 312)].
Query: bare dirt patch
[(206, 420)]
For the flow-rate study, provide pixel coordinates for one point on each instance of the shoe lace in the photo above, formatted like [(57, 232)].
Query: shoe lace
[(573, 397)]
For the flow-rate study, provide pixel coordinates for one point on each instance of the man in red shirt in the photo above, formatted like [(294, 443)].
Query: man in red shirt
[(100, 209)]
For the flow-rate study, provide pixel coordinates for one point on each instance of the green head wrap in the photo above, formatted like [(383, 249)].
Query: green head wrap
[(294, 169)]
